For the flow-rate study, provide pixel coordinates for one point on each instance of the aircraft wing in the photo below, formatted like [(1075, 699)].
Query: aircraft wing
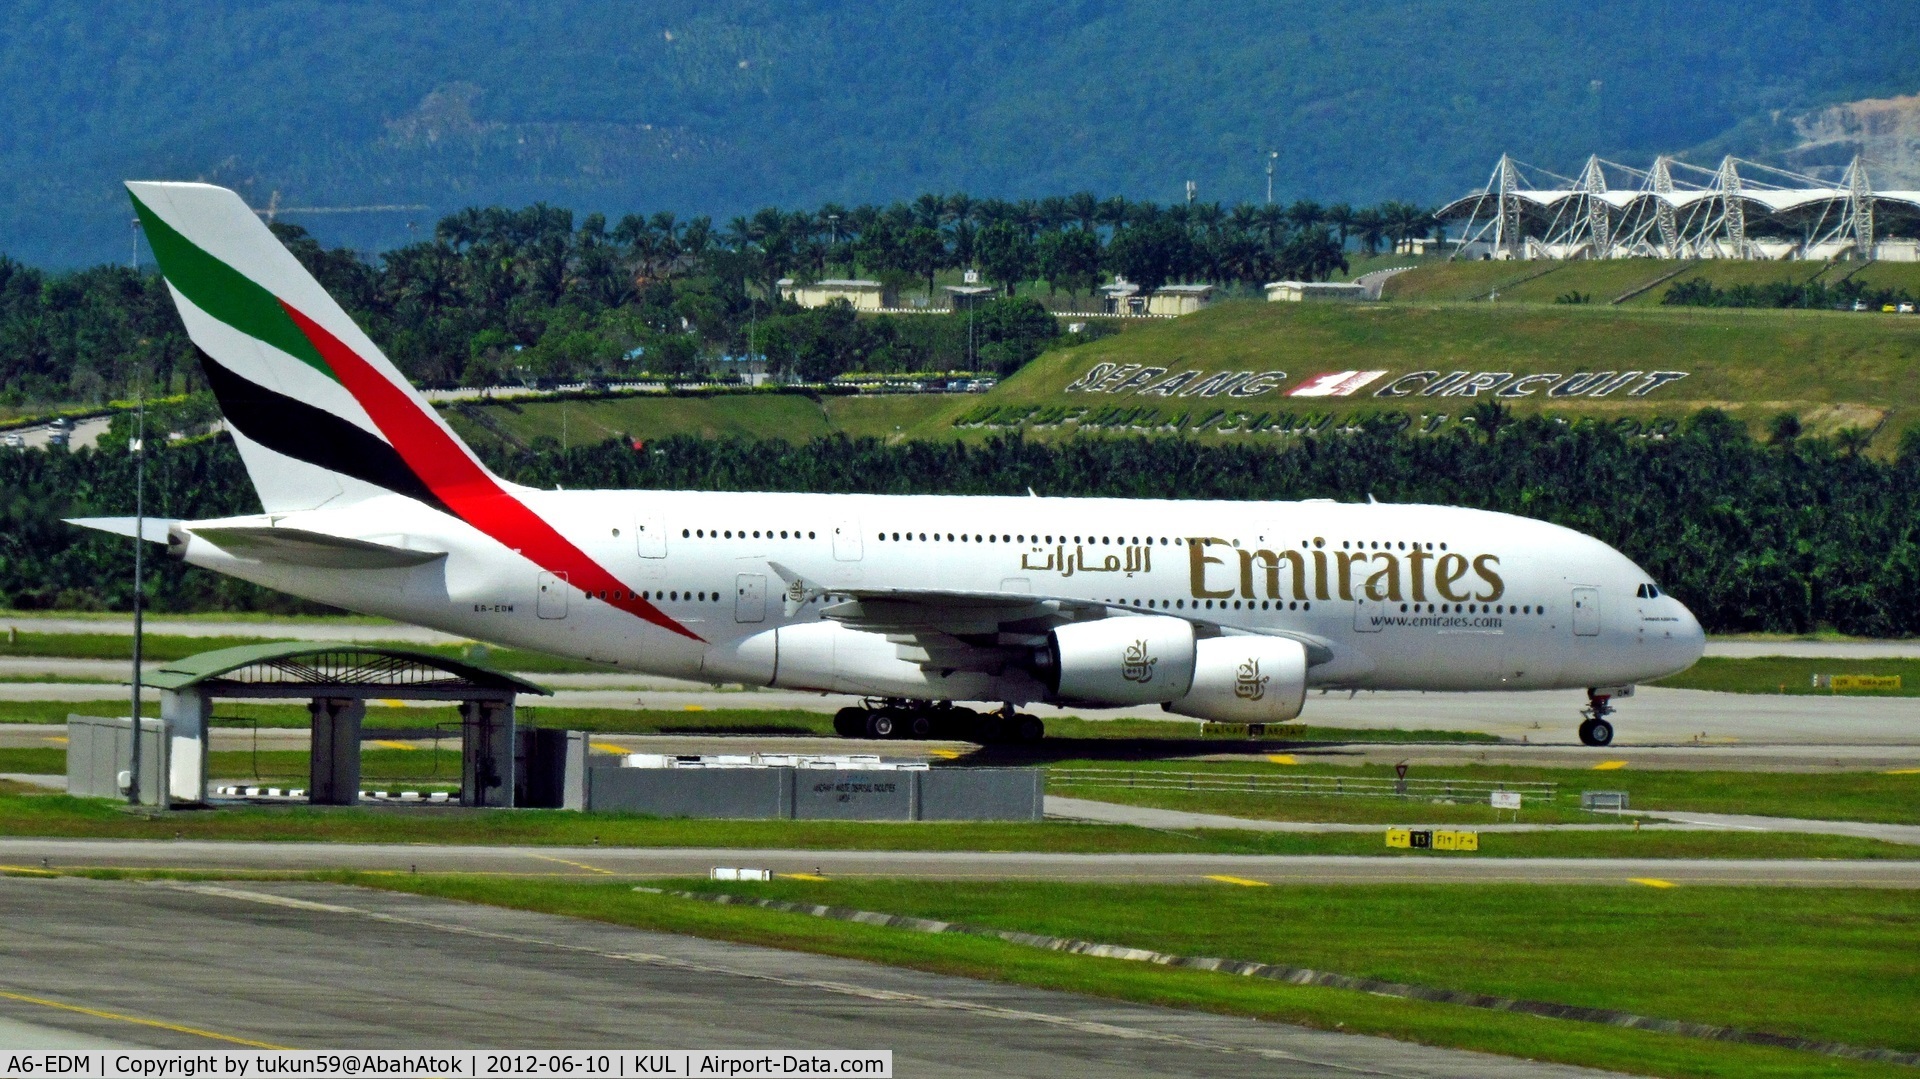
[(947, 629)]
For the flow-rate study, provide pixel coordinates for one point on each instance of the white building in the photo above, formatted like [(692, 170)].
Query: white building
[(863, 295), (1296, 291)]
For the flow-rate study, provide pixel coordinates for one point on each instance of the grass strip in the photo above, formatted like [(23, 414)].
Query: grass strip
[(1308, 976), (1887, 798), (1529, 1037), (1793, 676), (41, 813)]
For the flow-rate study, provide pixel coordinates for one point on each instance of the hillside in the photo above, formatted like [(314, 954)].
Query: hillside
[(1835, 370), (733, 105)]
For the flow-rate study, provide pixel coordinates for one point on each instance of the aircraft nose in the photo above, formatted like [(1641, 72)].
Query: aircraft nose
[(1689, 641)]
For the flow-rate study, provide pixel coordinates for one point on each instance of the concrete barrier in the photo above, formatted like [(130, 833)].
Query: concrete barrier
[(816, 793)]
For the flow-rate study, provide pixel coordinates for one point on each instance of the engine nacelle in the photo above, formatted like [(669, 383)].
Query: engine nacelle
[(1126, 660), (1246, 680)]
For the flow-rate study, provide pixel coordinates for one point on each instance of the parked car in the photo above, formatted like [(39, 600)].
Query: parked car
[(13, 440), (57, 437)]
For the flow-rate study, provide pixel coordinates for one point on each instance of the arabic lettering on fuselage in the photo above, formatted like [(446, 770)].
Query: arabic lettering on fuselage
[(1130, 560)]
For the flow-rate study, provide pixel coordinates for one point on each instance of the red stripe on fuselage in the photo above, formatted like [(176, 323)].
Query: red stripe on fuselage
[(452, 473)]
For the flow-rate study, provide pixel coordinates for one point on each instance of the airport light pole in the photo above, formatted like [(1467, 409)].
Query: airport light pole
[(139, 541), (1272, 156)]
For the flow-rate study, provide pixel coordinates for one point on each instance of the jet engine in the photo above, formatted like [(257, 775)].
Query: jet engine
[(1127, 660), (1246, 679)]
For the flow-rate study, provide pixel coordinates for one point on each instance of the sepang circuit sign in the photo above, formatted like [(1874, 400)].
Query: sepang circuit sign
[(1139, 380)]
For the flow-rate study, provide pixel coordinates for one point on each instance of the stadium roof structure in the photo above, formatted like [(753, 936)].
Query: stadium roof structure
[(1741, 210)]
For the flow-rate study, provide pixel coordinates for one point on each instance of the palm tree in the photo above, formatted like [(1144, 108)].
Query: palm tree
[(1305, 214), (1371, 229), (1340, 216), (1084, 208), (960, 207), (928, 209)]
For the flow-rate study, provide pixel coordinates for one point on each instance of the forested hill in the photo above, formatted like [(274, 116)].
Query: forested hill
[(728, 105)]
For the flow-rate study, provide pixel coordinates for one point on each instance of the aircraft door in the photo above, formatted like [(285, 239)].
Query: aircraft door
[(1586, 612), (846, 540), (650, 534), (750, 597), (1366, 613), (550, 601)]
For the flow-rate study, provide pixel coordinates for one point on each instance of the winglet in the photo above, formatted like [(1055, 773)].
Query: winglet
[(800, 591)]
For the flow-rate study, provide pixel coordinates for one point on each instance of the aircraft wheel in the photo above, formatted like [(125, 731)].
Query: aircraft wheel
[(850, 722), (921, 726), (882, 723), (1596, 732), (1029, 728)]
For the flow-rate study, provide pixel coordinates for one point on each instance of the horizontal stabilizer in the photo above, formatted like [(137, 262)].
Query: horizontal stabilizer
[(299, 547), (153, 529)]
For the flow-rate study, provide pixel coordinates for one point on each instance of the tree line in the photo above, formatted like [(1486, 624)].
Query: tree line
[(496, 294), (1807, 295), (1786, 535)]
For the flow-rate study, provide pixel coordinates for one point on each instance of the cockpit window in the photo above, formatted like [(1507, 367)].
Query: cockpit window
[(1648, 591)]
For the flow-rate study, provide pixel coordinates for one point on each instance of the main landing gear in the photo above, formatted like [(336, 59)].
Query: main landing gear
[(896, 718), (1595, 730)]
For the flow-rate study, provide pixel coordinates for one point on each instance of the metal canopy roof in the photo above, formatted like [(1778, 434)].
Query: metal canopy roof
[(336, 669)]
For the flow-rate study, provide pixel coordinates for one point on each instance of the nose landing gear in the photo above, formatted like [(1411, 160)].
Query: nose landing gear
[(1595, 730)]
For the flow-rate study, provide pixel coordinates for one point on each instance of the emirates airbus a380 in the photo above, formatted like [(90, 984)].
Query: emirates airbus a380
[(1228, 611)]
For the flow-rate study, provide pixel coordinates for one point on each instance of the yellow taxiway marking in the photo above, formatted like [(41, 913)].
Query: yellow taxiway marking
[(696, 707), (945, 754), (800, 876), (29, 870), (391, 703), (1652, 882), (1282, 758), (606, 747), (385, 743), (576, 865), (1241, 881), (1903, 772), (175, 1027), (1609, 766), (61, 739)]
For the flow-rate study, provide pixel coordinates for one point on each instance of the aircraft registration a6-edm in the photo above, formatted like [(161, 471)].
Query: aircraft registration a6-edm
[(1221, 610)]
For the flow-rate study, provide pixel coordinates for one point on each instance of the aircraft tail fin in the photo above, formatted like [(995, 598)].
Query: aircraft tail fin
[(320, 415)]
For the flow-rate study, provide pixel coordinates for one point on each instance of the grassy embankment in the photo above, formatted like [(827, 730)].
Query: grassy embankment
[(1825, 964), (1881, 797), (1603, 281), (1836, 369)]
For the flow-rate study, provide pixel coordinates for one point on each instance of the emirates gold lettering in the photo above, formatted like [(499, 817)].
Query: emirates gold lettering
[(1257, 573)]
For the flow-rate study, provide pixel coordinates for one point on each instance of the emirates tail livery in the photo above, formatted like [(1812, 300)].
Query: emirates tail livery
[(1227, 611)]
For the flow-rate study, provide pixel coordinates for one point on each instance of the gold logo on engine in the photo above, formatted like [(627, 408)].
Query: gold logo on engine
[(1136, 665), (1250, 684)]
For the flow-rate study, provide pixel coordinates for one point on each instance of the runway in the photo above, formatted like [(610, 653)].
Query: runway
[(323, 966), (652, 862), (1652, 717)]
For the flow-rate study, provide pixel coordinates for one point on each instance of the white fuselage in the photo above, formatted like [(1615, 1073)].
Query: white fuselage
[(1401, 596)]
